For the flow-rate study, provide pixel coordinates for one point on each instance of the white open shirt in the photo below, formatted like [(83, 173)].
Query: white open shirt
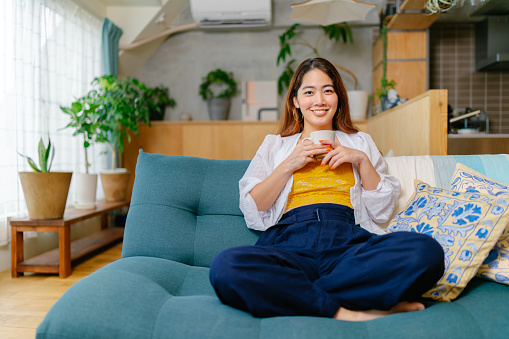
[(370, 207)]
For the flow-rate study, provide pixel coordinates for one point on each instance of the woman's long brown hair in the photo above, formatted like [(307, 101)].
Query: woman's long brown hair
[(341, 121)]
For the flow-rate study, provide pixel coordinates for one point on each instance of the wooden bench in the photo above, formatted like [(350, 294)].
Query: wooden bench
[(59, 260)]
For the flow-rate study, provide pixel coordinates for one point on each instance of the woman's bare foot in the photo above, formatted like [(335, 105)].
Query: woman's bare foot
[(349, 315)]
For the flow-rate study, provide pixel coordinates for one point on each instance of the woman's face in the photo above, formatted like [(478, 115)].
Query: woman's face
[(317, 100)]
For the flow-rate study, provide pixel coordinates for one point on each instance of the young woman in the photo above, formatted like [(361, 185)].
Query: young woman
[(321, 253)]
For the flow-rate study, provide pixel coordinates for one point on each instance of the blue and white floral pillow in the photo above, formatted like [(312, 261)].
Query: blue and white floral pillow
[(466, 224), (465, 179)]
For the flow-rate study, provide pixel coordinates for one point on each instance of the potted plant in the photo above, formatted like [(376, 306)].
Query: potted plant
[(217, 88), (84, 122), (120, 106), (358, 99), (159, 99), (45, 191)]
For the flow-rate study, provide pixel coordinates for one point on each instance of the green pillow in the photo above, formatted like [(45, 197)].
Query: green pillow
[(466, 224), (465, 179)]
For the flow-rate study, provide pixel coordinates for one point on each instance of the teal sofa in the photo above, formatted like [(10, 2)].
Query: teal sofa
[(183, 212)]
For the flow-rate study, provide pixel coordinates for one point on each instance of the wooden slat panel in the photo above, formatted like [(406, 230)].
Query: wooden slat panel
[(362, 125), (417, 127), (406, 45), (410, 77)]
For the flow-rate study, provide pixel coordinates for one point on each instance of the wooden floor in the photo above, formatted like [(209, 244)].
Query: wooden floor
[(24, 301)]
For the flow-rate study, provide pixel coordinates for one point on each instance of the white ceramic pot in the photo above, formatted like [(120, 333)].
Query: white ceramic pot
[(358, 101), (85, 188)]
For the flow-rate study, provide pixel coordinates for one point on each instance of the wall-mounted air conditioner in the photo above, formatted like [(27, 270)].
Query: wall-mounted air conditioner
[(231, 13)]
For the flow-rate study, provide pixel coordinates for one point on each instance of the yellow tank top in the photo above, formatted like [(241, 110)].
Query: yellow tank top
[(314, 184)]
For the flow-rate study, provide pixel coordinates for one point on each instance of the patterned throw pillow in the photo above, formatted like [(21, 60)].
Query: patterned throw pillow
[(466, 225), (465, 179)]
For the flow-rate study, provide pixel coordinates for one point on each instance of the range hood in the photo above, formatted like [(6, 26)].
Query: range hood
[(491, 7), (492, 44)]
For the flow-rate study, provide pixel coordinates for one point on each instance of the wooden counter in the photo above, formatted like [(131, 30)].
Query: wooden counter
[(230, 139), (416, 127), (478, 144)]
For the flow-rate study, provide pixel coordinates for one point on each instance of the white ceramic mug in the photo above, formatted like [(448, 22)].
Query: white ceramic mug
[(316, 136)]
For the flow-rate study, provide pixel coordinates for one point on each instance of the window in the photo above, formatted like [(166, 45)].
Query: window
[(51, 51)]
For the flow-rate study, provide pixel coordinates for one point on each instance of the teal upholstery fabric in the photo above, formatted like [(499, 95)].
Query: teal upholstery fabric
[(183, 212)]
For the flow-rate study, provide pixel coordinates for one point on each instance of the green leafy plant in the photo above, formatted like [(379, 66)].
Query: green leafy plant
[(121, 107), (111, 111), (46, 155), (218, 84), (85, 122), (159, 99), (293, 36)]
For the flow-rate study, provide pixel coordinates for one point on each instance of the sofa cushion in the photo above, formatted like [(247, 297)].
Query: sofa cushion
[(467, 226), (465, 179), (143, 297), (185, 209)]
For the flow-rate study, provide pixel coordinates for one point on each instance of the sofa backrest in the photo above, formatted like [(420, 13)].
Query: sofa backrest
[(437, 171), (185, 209)]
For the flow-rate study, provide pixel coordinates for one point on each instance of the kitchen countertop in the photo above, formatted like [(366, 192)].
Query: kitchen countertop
[(477, 135)]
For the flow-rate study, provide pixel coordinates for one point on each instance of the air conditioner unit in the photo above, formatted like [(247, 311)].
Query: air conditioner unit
[(231, 13)]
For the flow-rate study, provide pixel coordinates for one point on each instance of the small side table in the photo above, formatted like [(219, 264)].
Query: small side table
[(59, 260)]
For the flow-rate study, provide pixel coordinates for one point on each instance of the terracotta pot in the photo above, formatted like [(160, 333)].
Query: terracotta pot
[(115, 185), (45, 193)]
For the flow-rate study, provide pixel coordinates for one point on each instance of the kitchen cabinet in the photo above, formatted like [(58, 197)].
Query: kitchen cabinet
[(407, 63), (407, 49)]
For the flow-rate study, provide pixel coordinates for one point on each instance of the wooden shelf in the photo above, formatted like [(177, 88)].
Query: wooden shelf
[(79, 249), (411, 21), (59, 260), (410, 17), (412, 5)]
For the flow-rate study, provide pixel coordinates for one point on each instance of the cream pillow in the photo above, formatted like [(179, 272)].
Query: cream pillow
[(466, 225), (465, 179)]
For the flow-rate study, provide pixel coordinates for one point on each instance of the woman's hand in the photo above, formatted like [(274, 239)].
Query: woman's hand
[(340, 154), (303, 154), (266, 192)]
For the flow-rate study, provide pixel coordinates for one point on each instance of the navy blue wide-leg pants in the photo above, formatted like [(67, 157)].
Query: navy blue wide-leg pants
[(316, 260)]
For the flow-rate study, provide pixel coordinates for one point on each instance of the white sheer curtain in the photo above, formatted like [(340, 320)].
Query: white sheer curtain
[(50, 52)]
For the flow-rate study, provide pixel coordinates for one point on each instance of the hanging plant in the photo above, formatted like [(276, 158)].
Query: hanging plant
[(439, 6)]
